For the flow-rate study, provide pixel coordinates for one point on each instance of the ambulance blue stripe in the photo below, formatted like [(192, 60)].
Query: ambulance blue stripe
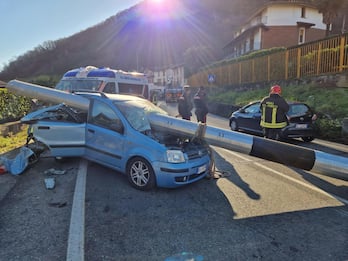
[(101, 73)]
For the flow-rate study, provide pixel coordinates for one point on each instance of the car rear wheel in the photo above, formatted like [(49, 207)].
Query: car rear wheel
[(140, 174), (307, 139), (234, 125)]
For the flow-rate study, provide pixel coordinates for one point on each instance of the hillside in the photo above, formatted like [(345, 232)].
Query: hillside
[(140, 38)]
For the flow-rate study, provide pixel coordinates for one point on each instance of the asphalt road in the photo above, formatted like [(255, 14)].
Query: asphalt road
[(257, 210)]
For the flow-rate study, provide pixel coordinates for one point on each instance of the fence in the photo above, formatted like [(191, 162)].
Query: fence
[(328, 56)]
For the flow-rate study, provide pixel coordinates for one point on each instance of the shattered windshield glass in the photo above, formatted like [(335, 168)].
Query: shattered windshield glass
[(136, 112)]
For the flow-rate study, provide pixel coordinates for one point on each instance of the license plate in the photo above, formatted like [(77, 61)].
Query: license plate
[(201, 169), (301, 126)]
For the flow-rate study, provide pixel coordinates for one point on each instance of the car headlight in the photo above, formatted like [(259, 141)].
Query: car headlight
[(175, 156)]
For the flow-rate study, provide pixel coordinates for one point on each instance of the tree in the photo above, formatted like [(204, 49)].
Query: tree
[(329, 9), (197, 56)]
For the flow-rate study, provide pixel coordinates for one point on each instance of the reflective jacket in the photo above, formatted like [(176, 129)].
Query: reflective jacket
[(273, 112)]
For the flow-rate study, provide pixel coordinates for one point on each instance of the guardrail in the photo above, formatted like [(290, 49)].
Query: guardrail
[(327, 56)]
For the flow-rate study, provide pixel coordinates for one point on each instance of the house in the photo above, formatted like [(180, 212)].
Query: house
[(169, 76), (277, 24)]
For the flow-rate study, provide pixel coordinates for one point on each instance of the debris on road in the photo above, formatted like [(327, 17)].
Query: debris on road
[(58, 204), (53, 171), (2, 168), (50, 183), (19, 163)]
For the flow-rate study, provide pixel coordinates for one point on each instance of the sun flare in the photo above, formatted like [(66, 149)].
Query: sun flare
[(160, 10)]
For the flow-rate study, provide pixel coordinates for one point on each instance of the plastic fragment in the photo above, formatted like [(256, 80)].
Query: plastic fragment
[(53, 171), (18, 164), (50, 183)]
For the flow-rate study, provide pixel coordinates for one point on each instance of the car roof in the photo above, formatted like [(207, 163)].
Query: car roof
[(289, 102)]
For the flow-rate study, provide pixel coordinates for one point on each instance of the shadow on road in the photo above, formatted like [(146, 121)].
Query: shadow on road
[(341, 191), (232, 175)]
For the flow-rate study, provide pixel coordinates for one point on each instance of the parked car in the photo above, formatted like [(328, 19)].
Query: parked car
[(116, 132), (301, 121)]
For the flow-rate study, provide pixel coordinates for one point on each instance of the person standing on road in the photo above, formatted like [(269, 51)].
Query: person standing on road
[(185, 104), (273, 113), (200, 101)]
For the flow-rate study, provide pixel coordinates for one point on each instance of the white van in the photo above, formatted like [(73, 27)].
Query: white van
[(104, 80)]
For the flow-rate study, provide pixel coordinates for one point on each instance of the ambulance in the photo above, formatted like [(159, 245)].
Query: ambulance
[(106, 80)]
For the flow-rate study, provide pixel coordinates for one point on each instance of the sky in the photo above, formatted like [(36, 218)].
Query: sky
[(26, 24)]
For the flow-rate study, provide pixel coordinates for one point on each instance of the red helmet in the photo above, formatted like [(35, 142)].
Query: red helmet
[(276, 89)]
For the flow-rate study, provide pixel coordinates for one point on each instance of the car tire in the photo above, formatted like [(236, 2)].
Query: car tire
[(234, 125), (140, 174), (307, 139)]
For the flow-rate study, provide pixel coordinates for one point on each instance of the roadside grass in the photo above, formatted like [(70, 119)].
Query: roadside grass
[(13, 141)]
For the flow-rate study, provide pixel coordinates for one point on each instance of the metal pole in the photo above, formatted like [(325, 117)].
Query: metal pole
[(47, 94), (287, 154)]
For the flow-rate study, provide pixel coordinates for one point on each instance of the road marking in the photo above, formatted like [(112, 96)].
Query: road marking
[(289, 178), (76, 239)]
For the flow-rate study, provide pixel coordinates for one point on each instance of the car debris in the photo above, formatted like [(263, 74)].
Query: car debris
[(50, 183), (53, 171), (19, 163), (58, 204)]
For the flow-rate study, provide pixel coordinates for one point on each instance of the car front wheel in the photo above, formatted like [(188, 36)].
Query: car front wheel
[(234, 125), (140, 174)]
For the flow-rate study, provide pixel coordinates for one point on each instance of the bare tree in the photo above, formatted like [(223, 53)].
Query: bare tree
[(329, 9)]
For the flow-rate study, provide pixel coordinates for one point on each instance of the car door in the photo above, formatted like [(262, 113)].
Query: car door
[(60, 128), (104, 135), (251, 116)]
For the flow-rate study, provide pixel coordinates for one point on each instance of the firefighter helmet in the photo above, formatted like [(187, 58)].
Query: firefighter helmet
[(276, 89)]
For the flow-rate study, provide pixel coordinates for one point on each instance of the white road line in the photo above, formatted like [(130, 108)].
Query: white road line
[(289, 178), (76, 239)]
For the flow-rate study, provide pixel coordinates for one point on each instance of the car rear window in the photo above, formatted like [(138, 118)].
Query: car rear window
[(298, 109)]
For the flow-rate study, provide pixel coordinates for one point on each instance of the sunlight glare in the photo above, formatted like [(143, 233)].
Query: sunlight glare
[(161, 10)]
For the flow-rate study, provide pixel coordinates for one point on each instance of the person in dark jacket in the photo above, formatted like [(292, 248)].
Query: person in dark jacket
[(273, 113), (185, 104), (201, 105)]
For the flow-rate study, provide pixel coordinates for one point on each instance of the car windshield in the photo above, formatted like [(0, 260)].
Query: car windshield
[(137, 111), (70, 85)]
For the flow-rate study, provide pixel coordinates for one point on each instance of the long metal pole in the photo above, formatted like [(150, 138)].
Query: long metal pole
[(47, 94), (287, 154)]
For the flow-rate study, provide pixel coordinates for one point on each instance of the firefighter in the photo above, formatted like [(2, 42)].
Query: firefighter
[(273, 117)]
